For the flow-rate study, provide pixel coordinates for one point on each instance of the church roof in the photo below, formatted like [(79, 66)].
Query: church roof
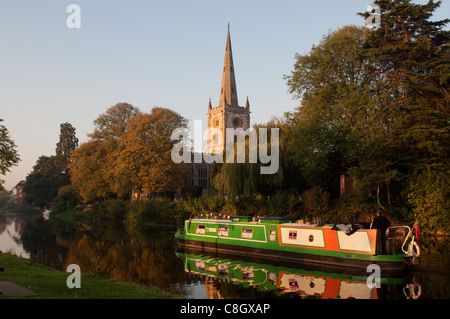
[(228, 92)]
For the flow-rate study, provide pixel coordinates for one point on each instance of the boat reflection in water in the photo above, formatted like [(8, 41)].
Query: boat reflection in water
[(285, 282)]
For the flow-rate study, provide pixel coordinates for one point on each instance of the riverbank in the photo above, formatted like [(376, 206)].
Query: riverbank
[(49, 284)]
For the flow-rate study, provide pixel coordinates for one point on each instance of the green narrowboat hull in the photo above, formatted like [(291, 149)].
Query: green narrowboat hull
[(289, 242)]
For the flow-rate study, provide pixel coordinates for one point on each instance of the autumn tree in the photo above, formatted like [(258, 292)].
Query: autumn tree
[(113, 123), (128, 150), (89, 170), (92, 164), (143, 156)]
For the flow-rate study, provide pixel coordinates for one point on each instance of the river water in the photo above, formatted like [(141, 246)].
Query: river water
[(150, 257)]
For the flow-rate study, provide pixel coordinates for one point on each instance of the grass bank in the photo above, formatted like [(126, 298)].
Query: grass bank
[(48, 284)]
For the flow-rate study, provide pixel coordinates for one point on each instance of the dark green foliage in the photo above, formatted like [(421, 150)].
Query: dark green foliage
[(68, 198), (190, 192), (50, 172), (42, 184), (375, 106), (68, 142), (8, 152)]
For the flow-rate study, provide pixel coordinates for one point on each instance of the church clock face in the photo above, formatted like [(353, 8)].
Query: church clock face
[(216, 122), (236, 122)]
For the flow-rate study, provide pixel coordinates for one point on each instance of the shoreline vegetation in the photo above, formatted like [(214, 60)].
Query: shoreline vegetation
[(50, 284), (313, 206)]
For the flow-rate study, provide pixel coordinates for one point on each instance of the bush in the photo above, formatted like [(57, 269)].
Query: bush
[(429, 193), (204, 204), (349, 209), (113, 210), (156, 211), (67, 199), (190, 192), (317, 202)]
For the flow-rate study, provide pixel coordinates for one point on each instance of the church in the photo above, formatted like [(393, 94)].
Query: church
[(228, 114)]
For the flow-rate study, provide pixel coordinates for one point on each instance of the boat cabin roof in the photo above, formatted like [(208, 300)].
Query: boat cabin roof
[(257, 222)]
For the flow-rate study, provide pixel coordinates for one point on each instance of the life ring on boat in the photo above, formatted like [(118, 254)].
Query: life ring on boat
[(414, 249)]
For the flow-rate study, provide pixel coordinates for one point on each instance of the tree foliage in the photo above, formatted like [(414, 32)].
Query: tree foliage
[(375, 106), (68, 142), (89, 170), (113, 123), (129, 151), (42, 184), (8, 152), (429, 194), (143, 156)]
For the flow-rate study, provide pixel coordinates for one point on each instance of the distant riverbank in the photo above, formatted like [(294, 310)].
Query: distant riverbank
[(49, 284)]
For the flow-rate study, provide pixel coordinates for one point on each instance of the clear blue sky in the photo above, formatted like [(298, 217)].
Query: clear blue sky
[(149, 53)]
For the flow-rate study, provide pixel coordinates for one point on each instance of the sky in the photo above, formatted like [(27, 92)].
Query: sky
[(166, 53)]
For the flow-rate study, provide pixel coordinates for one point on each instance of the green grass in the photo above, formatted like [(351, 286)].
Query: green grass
[(48, 284)]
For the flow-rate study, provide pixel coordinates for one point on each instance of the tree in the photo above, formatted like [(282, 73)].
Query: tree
[(331, 80), (320, 152), (336, 106), (409, 56), (42, 184), (428, 195), (92, 164), (235, 179), (143, 156), (50, 172), (113, 123), (89, 170), (8, 153), (68, 142)]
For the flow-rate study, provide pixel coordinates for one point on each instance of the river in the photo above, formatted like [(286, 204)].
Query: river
[(150, 257)]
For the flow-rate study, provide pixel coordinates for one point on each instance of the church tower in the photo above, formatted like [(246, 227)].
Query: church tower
[(228, 114)]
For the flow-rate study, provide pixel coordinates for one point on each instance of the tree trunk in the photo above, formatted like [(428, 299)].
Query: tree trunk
[(378, 198)]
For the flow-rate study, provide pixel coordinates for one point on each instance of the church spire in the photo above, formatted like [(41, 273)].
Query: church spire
[(228, 92)]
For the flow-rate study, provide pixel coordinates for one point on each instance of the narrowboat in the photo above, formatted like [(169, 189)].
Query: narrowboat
[(348, 246)]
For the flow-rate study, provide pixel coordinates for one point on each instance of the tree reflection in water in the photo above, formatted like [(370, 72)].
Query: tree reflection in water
[(147, 256)]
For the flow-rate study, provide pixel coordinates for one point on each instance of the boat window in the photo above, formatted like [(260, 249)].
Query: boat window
[(272, 235), (293, 234), (222, 231), (247, 233), (200, 229), (247, 273), (200, 265), (222, 269)]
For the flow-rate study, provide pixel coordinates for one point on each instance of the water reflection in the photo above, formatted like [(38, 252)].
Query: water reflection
[(11, 228), (148, 256), (224, 278)]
